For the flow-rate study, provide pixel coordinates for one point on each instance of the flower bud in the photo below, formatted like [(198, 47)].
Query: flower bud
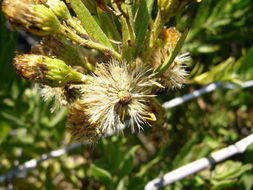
[(170, 8), (59, 8), (45, 70), (170, 37), (31, 16)]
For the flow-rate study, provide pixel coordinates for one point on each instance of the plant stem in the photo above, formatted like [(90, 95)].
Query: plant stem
[(127, 27), (156, 29), (76, 26), (88, 43)]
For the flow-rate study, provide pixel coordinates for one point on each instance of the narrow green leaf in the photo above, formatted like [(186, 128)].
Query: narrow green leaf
[(101, 174), (141, 23), (145, 167), (91, 5), (127, 163), (226, 71), (5, 129), (200, 19), (226, 184), (89, 23), (7, 52), (108, 25), (247, 181), (246, 69)]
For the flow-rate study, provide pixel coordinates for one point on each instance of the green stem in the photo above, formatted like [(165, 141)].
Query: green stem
[(127, 28), (75, 25), (87, 43), (156, 29)]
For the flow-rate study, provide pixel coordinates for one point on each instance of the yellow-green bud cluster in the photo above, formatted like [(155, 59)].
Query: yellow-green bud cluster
[(46, 70)]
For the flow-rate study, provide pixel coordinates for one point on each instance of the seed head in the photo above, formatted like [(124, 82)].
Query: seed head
[(31, 16), (118, 95), (175, 76), (46, 70)]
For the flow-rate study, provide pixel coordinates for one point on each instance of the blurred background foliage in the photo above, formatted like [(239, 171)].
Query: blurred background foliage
[(220, 43)]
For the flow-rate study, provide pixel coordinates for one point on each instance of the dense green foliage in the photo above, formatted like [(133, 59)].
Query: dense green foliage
[(220, 43)]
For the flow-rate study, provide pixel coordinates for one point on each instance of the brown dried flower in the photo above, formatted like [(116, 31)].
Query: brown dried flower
[(80, 127)]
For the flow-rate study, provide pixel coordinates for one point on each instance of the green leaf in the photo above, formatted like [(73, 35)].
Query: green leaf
[(141, 23), (200, 19), (5, 129), (121, 184), (225, 71), (89, 23), (246, 70), (224, 185), (127, 163), (91, 5), (230, 170), (101, 174), (247, 181), (108, 25), (113, 153), (147, 166)]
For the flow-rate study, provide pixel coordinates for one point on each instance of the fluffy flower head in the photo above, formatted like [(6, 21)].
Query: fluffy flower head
[(119, 94)]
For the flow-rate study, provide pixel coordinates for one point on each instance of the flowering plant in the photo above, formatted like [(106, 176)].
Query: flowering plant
[(106, 72)]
